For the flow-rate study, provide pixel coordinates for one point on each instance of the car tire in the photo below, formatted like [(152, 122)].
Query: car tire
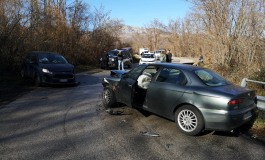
[(247, 126), (108, 98), (101, 65), (37, 80), (189, 120), (22, 73)]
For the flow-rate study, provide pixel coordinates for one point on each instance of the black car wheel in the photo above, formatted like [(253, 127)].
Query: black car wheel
[(108, 98), (189, 120), (37, 80), (22, 73), (101, 65)]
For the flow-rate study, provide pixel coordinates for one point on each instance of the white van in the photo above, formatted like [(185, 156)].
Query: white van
[(158, 52)]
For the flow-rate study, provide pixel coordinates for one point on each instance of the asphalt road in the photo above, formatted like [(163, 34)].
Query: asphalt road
[(70, 123)]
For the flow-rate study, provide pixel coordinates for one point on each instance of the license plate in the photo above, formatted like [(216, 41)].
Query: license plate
[(247, 115), (63, 80)]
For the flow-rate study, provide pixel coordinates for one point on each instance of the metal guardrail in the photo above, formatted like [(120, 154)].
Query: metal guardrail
[(261, 99)]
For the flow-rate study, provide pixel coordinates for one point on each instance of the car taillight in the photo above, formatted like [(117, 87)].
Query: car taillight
[(235, 101)]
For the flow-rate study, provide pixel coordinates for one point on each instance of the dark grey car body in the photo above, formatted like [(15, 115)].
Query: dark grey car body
[(48, 68), (221, 106)]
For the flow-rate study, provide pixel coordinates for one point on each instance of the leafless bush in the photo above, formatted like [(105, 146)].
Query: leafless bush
[(70, 29)]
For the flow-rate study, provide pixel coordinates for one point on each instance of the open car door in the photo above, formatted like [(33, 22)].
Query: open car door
[(127, 85)]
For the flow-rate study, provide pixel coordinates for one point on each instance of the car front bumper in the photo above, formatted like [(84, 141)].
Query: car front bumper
[(59, 78)]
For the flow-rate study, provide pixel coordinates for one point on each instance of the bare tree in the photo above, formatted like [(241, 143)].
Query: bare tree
[(234, 27), (154, 31)]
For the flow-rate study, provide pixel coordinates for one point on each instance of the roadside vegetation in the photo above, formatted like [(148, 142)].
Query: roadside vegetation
[(229, 34)]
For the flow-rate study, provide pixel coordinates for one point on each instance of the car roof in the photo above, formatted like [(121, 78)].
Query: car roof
[(178, 65), (42, 52)]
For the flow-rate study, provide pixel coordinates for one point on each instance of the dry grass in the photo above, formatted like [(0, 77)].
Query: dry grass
[(258, 129)]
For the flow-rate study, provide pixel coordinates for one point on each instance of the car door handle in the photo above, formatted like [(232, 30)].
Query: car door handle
[(129, 85)]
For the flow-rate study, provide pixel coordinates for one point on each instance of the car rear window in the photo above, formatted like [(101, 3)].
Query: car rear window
[(210, 78)]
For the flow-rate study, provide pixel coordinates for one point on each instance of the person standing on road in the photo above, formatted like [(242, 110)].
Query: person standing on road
[(163, 57), (168, 56), (201, 61), (120, 61)]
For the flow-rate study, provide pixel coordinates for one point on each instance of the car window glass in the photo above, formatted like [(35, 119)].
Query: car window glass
[(134, 73), (148, 56), (210, 78), (151, 70), (52, 59), (113, 53), (173, 76)]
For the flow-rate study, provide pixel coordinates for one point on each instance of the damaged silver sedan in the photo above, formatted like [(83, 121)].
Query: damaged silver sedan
[(195, 98)]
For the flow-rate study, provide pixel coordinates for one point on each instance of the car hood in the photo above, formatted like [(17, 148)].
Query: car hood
[(58, 67), (111, 56), (117, 73)]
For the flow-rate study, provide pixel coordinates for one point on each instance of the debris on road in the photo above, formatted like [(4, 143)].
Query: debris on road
[(124, 121), (169, 145), (151, 134), (111, 112)]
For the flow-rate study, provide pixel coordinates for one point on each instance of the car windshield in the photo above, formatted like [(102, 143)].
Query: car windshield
[(210, 78), (52, 59), (148, 56), (113, 53)]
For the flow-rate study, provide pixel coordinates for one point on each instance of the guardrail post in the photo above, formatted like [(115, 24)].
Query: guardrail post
[(244, 82)]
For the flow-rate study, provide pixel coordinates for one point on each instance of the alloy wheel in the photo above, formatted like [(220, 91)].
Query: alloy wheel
[(187, 120), (107, 96)]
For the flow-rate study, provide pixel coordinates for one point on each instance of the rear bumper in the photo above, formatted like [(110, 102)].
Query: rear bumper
[(229, 120)]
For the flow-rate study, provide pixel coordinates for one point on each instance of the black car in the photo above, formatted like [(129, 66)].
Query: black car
[(195, 98), (48, 68), (110, 59)]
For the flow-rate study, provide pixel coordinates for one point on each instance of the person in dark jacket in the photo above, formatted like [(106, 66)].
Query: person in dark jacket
[(168, 57), (120, 61)]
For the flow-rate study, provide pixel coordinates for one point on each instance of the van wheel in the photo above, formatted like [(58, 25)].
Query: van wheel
[(189, 120), (108, 98)]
